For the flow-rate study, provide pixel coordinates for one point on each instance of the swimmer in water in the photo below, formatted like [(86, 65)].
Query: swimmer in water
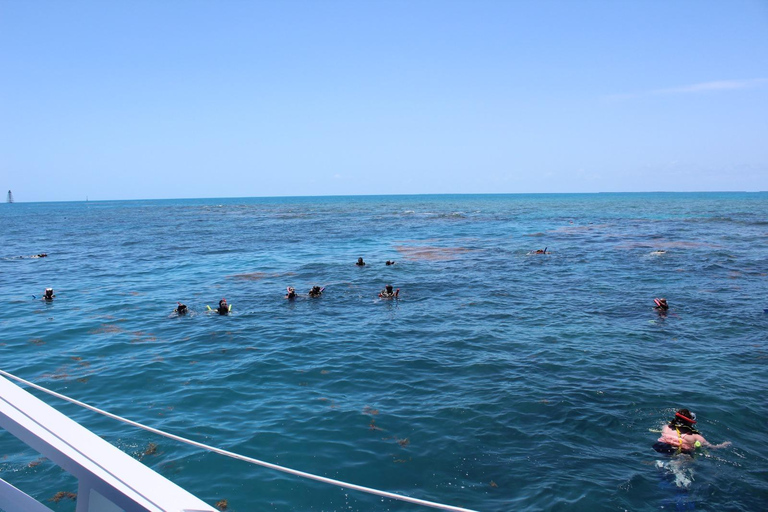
[(680, 435), (223, 308), (41, 255), (661, 305), (540, 251), (181, 309), (291, 293), (390, 263), (48, 294), (315, 292), (360, 262), (387, 292)]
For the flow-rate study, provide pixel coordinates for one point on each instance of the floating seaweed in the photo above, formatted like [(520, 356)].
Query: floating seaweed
[(151, 449), (63, 495), (60, 373), (258, 276), (106, 329), (222, 504), (332, 404), (142, 337), (430, 253)]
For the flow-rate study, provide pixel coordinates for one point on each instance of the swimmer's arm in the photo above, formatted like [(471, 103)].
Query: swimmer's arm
[(721, 445), (704, 442)]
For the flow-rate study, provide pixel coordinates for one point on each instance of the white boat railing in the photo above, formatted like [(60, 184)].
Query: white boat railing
[(109, 480), (226, 453)]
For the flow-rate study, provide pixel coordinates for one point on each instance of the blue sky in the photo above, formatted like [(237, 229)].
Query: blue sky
[(167, 99)]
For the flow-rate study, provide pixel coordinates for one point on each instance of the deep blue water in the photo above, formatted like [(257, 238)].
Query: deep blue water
[(501, 379)]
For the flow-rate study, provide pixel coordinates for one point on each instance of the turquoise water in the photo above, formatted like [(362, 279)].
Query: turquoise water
[(501, 379)]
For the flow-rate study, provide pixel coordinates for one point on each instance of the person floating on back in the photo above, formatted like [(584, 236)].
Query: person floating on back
[(291, 293), (181, 309), (360, 262), (680, 435), (316, 291), (661, 304), (388, 293), (48, 294), (223, 308)]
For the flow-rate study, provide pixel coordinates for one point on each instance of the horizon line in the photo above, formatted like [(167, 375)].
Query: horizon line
[(396, 195)]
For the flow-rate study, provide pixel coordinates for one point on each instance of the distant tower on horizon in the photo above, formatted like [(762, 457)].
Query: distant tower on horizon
[(10, 197)]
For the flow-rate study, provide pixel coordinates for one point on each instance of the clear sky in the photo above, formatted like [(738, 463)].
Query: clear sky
[(170, 99)]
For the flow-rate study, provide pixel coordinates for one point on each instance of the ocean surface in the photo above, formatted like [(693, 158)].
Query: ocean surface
[(499, 380)]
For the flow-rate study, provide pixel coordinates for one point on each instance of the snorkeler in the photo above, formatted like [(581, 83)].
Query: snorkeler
[(661, 304), (360, 262), (316, 291), (540, 251), (48, 294), (181, 309), (390, 263), (680, 436), (291, 293), (223, 308), (387, 292)]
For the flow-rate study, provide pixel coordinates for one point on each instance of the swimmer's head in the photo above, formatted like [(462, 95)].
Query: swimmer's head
[(686, 415), (223, 302), (388, 288), (49, 292)]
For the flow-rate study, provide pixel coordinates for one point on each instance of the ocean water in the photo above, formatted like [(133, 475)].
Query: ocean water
[(500, 379)]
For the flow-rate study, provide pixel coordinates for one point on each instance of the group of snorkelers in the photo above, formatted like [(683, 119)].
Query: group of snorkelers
[(222, 309), (315, 292), (361, 263), (388, 292), (679, 436)]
